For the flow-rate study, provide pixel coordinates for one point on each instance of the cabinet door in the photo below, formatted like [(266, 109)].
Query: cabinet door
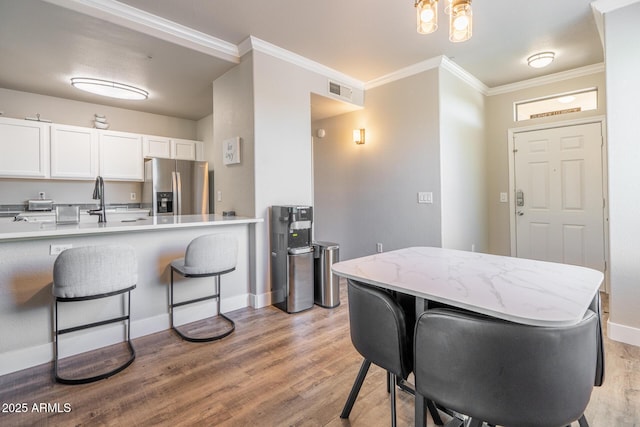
[(121, 156), (24, 146), (183, 149), (74, 152), (156, 146)]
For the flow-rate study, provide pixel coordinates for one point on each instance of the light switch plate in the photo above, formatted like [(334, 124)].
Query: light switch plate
[(504, 198)]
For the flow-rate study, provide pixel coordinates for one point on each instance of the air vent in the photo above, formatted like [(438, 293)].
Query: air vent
[(340, 90)]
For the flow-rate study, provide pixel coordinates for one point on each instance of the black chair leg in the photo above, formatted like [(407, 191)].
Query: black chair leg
[(392, 385), (433, 410), (583, 421), (364, 368)]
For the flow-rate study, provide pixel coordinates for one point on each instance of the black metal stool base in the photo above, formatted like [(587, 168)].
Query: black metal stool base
[(186, 337), (126, 317), (86, 380)]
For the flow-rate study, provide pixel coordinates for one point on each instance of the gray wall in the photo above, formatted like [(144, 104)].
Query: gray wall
[(233, 117), (367, 194), (623, 97), (462, 163)]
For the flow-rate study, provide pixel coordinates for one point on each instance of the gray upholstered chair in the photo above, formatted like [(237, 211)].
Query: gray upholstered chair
[(89, 273), (379, 331), (504, 373), (206, 256)]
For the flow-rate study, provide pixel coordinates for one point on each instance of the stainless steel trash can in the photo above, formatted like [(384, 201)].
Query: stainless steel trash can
[(326, 284)]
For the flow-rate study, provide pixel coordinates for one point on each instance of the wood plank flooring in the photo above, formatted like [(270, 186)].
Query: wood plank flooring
[(274, 370)]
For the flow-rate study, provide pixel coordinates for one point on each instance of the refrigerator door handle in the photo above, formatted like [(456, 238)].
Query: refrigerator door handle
[(179, 192), (174, 191)]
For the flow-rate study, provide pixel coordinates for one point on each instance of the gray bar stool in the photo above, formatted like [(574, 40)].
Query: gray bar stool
[(88, 273), (206, 256)]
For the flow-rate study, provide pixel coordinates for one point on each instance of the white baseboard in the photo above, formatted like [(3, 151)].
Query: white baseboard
[(261, 300), (623, 333), (24, 358)]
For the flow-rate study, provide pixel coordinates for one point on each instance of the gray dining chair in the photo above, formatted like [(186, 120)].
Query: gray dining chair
[(504, 373), (211, 255), (379, 332), (89, 273)]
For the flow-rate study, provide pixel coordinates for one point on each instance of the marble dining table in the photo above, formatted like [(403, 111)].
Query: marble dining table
[(524, 291)]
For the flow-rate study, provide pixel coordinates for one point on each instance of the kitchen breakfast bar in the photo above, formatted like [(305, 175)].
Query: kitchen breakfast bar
[(27, 255)]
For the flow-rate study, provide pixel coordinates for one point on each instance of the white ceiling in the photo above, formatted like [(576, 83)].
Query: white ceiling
[(42, 45)]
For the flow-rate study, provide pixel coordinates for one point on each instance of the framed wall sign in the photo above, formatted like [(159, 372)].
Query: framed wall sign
[(231, 151)]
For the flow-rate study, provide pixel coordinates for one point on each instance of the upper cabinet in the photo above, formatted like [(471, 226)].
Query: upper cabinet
[(156, 146), (121, 156), (30, 149), (24, 145), (172, 148), (74, 152)]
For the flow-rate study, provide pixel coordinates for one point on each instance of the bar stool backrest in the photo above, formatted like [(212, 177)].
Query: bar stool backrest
[(93, 270), (211, 254)]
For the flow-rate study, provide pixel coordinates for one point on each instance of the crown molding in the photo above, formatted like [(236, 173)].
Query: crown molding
[(551, 78), (405, 72), (464, 75), (258, 45), (147, 23), (606, 6)]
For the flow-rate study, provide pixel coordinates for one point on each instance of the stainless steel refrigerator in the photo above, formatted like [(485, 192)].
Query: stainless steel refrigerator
[(175, 187)]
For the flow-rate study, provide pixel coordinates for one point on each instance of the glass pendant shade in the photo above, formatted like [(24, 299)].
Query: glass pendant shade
[(427, 16), (460, 21)]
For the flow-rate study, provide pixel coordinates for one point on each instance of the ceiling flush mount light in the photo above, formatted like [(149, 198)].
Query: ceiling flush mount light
[(427, 16), (460, 18), (358, 136), (109, 88), (540, 60)]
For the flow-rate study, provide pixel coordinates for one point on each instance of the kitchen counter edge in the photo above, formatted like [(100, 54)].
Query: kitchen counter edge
[(14, 231)]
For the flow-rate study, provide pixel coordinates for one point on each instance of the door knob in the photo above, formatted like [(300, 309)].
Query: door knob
[(520, 213)]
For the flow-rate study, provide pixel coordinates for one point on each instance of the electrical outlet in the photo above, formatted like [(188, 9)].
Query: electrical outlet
[(504, 198), (425, 197), (379, 247), (133, 196), (56, 249)]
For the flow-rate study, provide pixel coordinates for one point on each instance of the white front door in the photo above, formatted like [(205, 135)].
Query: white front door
[(559, 204)]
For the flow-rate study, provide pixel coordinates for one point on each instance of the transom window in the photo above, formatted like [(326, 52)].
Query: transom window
[(565, 103)]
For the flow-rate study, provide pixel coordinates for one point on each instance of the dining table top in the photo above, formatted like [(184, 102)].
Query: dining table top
[(520, 290)]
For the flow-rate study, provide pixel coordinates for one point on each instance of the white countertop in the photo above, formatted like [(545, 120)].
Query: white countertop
[(22, 230), (516, 289)]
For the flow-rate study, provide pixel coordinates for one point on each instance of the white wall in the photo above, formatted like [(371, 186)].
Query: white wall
[(283, 157), (623, 98), (462, 165), (367, 194)]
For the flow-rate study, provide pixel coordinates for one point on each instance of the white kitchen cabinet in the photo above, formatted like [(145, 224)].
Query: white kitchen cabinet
[(183, 149), (156, 146), (74, 152), (24, 145), (121, 156), (199, 150)]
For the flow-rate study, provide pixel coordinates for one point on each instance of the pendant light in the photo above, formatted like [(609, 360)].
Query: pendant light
[(460, 21), (460, 18), (427, 16)]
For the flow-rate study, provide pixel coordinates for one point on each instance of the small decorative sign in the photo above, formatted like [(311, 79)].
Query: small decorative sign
[(555, 113), (231, 151)]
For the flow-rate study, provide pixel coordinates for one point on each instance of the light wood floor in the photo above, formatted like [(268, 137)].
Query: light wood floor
[(274, 370)]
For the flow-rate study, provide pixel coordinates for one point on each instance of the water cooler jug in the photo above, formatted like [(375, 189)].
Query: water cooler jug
[(291, 258)]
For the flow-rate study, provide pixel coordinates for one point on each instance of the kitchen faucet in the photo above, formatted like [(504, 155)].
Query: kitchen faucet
[(98, 194)]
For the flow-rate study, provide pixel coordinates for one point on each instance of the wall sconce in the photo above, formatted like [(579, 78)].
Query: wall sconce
[(358, 136)]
